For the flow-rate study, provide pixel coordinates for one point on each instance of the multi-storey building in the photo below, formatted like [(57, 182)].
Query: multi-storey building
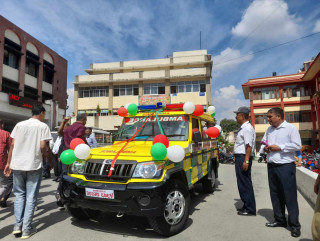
[(183, 77), (30, 73), (294, 93)]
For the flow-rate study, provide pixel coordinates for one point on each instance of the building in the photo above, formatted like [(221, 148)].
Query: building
[(30, 73), (183, 77), (295, 94)]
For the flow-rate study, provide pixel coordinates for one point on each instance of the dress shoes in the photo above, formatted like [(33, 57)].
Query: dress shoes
[(295, 233), (276, 224), (246, 213)]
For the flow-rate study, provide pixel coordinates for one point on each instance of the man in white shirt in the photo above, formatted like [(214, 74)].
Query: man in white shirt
[(282, 140), (243, 152), (25, 160), (92, 142)]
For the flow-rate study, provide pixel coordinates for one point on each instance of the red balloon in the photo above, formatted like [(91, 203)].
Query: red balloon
[(198, 111), (213, 132), (75, 142), (122, 111), (161, 139)]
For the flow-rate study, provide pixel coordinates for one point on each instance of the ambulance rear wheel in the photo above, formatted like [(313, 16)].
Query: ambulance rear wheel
[(176, 212), (209, 185)]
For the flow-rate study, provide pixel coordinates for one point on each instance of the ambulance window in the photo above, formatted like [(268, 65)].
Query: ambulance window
[(204, 127)]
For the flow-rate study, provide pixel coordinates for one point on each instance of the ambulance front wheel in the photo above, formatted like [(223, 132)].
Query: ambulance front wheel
[(176, 212)]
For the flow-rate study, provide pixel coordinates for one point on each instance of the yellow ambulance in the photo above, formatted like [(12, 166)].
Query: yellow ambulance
[(138, 184)]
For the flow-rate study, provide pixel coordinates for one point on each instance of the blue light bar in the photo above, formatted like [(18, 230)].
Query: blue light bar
[(151, 107)]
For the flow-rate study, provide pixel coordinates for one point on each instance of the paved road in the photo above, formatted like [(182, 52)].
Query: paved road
[(213, 217)]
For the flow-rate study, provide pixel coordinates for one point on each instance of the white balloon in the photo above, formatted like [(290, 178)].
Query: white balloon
[(127, 105), (189, 107), (82, 151), (175, 153), (211, 109), (219, 127)]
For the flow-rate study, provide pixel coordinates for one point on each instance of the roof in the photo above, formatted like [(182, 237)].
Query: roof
[(313, 69)]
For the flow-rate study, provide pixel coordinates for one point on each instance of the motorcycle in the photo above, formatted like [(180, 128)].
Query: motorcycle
[(226, 158), (263, 157)]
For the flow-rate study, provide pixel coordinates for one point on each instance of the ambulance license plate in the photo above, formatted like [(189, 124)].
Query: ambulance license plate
[(99, 193)]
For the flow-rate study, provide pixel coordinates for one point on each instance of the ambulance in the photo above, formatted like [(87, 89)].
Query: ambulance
[(125, 179)]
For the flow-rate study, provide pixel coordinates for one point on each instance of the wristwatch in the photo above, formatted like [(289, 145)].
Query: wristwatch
[(246, 161)]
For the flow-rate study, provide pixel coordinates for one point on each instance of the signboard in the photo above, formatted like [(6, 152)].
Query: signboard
[(154, 99), (178, 118), (22, 101)]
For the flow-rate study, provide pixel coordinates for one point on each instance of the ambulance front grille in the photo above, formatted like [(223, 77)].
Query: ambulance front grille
[(98, 170)]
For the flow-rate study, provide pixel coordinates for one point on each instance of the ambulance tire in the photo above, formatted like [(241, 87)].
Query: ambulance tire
[(209, 185), (178, 194), (77, 213)]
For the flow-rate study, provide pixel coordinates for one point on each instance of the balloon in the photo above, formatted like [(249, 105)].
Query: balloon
[(213, 114), (198, 110), (127, 105), (312, 165), (219, 127), (188, 107), (82, 151), (213, 132), (132, 109), (68, 157), (75, 142), (161, 139), (158, 151), (211, 109), (175, 153), (122, 111)]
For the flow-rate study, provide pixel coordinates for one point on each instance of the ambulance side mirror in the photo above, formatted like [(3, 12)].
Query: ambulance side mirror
[(197, 136)]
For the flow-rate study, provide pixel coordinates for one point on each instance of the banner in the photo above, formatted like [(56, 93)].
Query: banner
[(154, 99)]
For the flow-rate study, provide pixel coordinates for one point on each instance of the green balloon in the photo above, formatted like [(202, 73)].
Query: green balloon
[(158, 151), (68, 157), (213, 114), (132, 109)]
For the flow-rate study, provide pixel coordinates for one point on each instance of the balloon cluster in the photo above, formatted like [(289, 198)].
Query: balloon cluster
[(78, 150), (160, 149), (132, 109)]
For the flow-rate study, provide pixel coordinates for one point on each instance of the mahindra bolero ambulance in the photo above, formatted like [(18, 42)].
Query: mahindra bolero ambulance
[(138, 184)]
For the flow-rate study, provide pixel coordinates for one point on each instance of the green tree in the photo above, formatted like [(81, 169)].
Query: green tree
[(229, 125)]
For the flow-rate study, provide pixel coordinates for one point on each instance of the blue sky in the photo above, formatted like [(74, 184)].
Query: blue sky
[(85, 32)]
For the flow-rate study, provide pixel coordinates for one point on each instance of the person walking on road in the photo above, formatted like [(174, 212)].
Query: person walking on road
[(28, 145), (243, 152), (316, 216), (6, 183), (282, 142)]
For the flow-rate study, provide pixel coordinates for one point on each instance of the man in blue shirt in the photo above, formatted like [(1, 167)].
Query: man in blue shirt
[(92, 142), (283, 141)]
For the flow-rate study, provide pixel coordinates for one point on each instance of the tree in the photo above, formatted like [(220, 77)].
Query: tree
[(229, 125)]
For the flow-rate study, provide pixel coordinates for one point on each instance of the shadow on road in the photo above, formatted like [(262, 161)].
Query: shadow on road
[(267, 213)]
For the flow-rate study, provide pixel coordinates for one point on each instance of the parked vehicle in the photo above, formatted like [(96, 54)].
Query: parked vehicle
[(263, 157), (226, 158), (140, 185)]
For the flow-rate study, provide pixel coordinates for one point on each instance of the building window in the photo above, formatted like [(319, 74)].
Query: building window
[(12, 53), (30, 93), (99, 91), (266, 93), (32, 63), (9, 86), (125, 90), (296, 91), (48, 72), (188, 86), (298, 116), (261, 119), (154, 89)]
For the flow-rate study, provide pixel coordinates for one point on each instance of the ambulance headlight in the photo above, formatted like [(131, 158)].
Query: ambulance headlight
[(78, 167), (148, 170)]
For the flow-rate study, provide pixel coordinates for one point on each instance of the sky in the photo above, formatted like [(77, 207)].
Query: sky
[(241, 36)]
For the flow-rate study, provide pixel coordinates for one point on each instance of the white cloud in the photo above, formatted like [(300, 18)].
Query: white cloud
[(317, 27), (267, 20), (226, 100), (70, 101), (227, 60)]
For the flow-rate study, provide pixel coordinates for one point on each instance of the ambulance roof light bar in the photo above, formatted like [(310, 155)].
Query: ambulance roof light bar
[(161, 105)]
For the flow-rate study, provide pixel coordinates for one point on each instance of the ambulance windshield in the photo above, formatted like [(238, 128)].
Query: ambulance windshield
[(174, 127)]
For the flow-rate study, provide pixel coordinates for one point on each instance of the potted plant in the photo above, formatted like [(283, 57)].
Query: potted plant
[(98, 110)]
